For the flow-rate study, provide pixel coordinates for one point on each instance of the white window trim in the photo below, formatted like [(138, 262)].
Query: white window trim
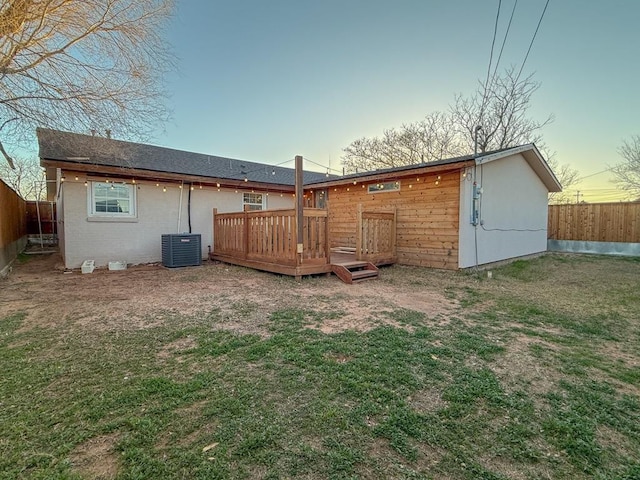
[(264, 200), (111, 216)]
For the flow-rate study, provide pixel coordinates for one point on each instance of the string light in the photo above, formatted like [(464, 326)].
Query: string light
[(133, 181), (157, 184), (86, 184), (76, 178), (164, 189), (200, 186), (218, 185), (192, 188), (61, 179)]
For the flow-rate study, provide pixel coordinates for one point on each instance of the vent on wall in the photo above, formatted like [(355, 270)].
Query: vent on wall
[(181, 250)]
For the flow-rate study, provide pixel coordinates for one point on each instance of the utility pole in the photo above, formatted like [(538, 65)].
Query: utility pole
[(578, 194)]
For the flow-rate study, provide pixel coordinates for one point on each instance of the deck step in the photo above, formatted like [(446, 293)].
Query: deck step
[(352, 272)]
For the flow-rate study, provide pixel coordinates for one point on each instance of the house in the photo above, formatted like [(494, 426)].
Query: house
[(116, 199), (435, 203)]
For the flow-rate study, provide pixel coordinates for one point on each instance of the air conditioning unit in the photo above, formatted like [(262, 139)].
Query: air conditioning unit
[(181, 250)]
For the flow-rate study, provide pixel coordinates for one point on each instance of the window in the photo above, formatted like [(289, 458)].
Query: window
[(254, 200), (112, 200), (383, 187)]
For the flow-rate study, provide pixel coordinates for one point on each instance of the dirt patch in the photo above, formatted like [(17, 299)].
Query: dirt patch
[(517, 367), (426, 401), (97, 458), (219, 295), (173, 349)]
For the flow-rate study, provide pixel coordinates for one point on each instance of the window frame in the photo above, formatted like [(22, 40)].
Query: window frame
[(394, 186), (92, 198), (262, 205)]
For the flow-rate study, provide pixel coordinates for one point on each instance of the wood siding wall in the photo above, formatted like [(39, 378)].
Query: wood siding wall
[(426, 215), (13, 225), (596, 222)]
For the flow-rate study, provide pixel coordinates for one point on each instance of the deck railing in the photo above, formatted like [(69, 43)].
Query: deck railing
[(269, 236), (376, 236)]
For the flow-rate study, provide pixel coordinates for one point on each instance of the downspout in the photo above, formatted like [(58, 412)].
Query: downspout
[(476, 194), (180, 207), (189, 206)]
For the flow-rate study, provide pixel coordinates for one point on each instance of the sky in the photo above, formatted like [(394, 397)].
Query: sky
[(265, 80)]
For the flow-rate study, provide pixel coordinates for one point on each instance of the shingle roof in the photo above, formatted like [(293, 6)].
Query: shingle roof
[(391, 170), (80, 149)]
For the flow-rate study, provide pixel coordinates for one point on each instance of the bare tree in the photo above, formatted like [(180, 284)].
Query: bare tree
[(428, 140), (81, 65), (26, 178), (502, 109), (567, 176), (627, 173)]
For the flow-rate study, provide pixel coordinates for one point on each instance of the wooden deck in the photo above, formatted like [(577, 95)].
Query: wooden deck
[(266, 240)]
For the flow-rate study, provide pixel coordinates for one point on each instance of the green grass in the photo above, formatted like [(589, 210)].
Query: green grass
[(513, 386)]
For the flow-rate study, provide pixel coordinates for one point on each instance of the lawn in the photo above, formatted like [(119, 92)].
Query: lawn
[(224, 372)]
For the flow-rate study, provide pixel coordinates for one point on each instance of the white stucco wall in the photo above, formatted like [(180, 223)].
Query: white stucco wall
[(513, 213), (139, 241)]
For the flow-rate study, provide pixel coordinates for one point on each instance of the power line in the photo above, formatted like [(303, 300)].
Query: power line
[(594, 174), (323, 166), (504, 41), (486, 83), (532, 40)]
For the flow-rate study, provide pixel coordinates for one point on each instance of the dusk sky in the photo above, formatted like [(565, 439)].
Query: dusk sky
[(266, 80)]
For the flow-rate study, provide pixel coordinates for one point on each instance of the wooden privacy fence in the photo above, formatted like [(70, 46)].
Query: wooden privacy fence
[(41, 217), (260, 238), (596, 222), (13, 218), (13, 225), (376, 236)]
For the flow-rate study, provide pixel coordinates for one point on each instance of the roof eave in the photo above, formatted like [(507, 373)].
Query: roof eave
[(154, 175), (535, 160)]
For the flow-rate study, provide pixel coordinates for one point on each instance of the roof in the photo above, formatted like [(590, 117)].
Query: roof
[(81, 150), (363, 176), (530, 153)]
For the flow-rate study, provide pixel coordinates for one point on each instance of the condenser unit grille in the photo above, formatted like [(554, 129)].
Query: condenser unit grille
[(181, 250)]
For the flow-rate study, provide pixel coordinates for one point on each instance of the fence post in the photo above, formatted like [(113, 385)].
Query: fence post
[(299, 210), (359, 226), (245, 240)]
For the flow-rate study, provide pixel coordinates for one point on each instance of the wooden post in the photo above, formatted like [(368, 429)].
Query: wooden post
[(299, 209), (359, 246), (213, 243), (245, 219), (393, 234)]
